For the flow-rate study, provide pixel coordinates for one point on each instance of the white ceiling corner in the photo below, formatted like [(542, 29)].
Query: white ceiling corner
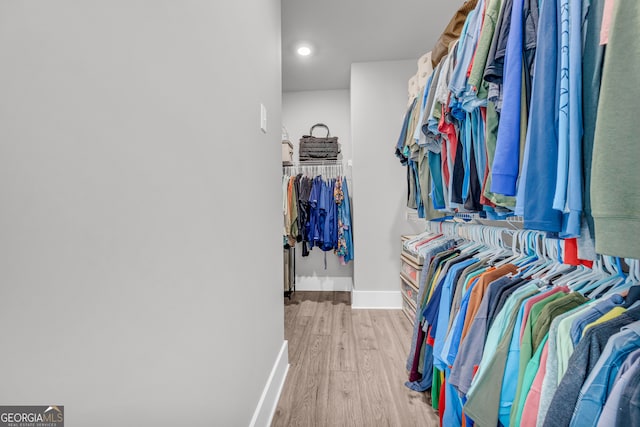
[(346, 31)]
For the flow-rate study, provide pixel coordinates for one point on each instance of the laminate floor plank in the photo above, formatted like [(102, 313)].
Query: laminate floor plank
[(343, 346), (411, 405), (347, 367), (299, 339), (323, 318), (377, 400), (344, 400)]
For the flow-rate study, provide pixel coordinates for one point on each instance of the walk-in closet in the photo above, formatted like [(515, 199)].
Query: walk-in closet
[(320, 213)]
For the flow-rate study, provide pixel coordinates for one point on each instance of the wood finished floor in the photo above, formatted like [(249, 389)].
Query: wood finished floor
[(347, 367)]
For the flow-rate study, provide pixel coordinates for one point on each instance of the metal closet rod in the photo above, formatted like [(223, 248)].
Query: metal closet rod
[(325, 169)]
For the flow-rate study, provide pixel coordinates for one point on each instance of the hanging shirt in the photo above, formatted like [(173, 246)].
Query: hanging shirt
[(494, 70), (400, 151), (550, 382), (527, 381), (611, 412), (506, 162), (471, 350), (582, 361), (593, 313), (615, 201), (483, 398), (600, 381), (543, 142), (466, 49), (444, 311), (592, 60), (531, 406)]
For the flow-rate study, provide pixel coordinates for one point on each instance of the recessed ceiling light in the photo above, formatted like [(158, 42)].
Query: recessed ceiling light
[(304, 51)]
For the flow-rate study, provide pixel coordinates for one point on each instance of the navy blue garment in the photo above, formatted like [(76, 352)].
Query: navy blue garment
[(313, 231), (330, 230)]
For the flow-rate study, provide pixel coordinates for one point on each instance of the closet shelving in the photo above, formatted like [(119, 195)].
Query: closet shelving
[(317, 212), (410, 271)]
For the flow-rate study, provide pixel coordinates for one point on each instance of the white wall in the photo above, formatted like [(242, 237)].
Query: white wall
[(303, 109), (139, 200), (378, 105), (300, 111)]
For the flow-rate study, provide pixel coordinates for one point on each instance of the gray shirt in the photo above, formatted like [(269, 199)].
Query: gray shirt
[(582, 361)]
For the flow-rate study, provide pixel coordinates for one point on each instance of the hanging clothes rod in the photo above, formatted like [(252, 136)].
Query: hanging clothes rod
[(327, 170)]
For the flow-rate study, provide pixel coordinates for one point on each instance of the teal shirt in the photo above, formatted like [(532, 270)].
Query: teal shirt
[(529, 376), (526, 345)]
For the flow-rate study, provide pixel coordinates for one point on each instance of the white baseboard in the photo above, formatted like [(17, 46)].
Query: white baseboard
[(328, 283), (271, 394), (391, 300)]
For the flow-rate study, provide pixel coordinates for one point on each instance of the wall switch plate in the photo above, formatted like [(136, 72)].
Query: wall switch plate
[(263, 118)]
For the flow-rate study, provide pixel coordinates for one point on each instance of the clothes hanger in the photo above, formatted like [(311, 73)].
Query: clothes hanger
[(515, 244), (535, 261), (632, 279), (544, 260), (556, 266), (597, 273), (615, 277), (580, 271), (502, 251)]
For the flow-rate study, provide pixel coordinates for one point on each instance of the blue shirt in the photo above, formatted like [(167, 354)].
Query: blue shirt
[(507, 156), (452, 344), (445, 311), (543, 139), (595, 390), (345, 216), (573, 211), (630, 369), (592, 314), (466, 49), (510, 379), (562, 168), (568, 194)]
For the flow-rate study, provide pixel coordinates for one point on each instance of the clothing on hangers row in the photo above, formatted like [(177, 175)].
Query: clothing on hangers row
[(490, 132), (317, 213), (507, 333)]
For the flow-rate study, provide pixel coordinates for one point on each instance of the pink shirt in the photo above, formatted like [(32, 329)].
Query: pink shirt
[(537, 298), (532, 404), (606, 21)]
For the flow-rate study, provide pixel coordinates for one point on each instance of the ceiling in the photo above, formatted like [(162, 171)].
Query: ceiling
[(342, 32)]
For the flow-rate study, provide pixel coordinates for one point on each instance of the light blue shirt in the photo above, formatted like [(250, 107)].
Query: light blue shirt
[(562, 171), (466, 49), (593, 313), (596, 388), (444, 312), (573, 209), (630, 368), (452, 343), (510, 379), (497, 331), (568, 193)]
